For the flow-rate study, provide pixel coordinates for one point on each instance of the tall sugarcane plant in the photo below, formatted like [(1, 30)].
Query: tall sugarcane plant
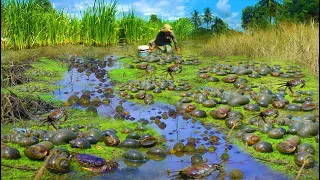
[(27, 24)]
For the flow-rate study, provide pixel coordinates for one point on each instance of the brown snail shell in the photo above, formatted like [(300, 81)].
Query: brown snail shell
[(306, 147), (218, 113), (48, 144), (142, 66), (263, 146), (134, 155), (196, 159), (189, 148), (28, 141), (278, 104), (129, 143), (275, 134), (251, 139), (178, 147), (148, 100), (34, 152), (16, 137), (10, 153), (308, 130), (198, 113), (294, 138), (96, 101), (188, 107), (236, 174), (95, 133), (140, 95), (286, 147), (308, 106), (111, 140), (230, 78), (80, 143), (148, 141), (58, 164), (157, 152), (230, 122), (126, 130), (91, 139), (62, 136), (306, 157)]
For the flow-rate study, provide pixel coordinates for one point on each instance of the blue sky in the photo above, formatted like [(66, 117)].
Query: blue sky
[(229, 10)]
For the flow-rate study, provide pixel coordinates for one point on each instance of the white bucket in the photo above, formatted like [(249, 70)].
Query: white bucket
[(143, 50)]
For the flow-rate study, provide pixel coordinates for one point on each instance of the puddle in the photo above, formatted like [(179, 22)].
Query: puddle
[(177, 129)]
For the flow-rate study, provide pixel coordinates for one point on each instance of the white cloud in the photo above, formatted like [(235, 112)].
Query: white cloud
[(165, 9), (234, 14), (223, 6)]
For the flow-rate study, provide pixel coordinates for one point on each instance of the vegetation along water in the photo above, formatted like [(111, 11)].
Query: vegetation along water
[(77, 101)]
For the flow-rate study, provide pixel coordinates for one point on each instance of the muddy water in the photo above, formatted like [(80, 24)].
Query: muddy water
[(177, 129)]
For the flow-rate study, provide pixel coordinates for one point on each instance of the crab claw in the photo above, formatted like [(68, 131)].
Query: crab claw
[(94, 169), (88, 169), (168, 172)]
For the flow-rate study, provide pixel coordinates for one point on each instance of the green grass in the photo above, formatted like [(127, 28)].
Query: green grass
[(77, 117), (43, 74)]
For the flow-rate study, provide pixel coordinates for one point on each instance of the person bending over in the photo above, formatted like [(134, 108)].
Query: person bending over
[(164, 38)]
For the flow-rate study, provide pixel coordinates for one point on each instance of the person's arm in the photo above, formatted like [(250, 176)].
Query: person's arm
[(174, 40)]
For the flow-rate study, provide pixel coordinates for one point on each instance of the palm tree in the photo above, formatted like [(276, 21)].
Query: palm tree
[(208, 16), (196, 20), (219, 26)]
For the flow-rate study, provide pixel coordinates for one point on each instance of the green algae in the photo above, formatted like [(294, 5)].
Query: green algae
[(100, 149), (44, 74), (190, 74)]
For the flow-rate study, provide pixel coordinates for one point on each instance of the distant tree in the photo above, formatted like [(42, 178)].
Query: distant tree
[(271, 6), (304, 10), (219, 26), (255, 17), (45, 4), (247, 16), (208, 16), (196, 19), (154, 18)]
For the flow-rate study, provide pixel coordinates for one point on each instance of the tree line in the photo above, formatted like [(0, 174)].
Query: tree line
[(267, 13)]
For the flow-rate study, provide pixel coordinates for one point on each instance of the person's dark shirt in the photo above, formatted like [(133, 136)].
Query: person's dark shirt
[(165, 39)]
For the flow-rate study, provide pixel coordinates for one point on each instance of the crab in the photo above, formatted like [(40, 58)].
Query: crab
[(95, 163), (268, 112), (197, 171), (173, 68), (293, 83), (55, 116)]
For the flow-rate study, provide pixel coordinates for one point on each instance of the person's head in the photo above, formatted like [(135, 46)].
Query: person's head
[(166, 28)]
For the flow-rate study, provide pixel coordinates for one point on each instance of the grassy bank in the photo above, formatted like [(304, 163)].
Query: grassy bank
[(292, 43)]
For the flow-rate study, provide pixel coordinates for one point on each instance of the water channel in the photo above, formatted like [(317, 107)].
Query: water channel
[(177, 129)]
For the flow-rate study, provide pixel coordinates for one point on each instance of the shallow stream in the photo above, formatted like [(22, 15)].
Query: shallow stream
[(177, 129)]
